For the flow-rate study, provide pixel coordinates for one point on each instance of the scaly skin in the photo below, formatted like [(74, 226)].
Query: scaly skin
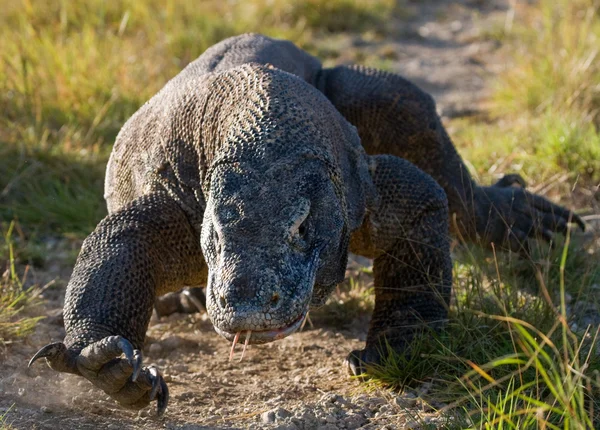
[(246, 173)]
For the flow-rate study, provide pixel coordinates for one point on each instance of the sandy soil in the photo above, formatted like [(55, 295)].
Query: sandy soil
[(298, 382)]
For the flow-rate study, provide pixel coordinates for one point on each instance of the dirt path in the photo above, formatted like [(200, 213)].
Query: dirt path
[(298, 382)]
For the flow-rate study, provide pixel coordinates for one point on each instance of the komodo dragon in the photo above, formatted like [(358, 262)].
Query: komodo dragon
[(246, 174)]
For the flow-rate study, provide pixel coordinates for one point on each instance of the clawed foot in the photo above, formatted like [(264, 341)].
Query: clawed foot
[(125, 380), (508, 215), (187, 301)]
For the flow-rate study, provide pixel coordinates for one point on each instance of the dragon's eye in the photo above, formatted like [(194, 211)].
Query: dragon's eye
[(300, 232), (300, 228), (303, 229)]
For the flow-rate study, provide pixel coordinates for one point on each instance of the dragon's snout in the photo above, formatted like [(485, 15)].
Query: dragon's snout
[(270, 305), (262, 305)]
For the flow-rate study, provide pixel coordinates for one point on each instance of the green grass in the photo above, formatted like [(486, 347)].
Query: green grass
[(545, 110), (15, 298), (510, 357), (4, 425)]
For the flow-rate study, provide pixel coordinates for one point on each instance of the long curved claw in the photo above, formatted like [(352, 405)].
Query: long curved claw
[(557, 212), (124, 379), (163, 397), (155, 378), (125, 346), (160, 390), (58, 356), (355, 363), (50, 351), (137, 364)]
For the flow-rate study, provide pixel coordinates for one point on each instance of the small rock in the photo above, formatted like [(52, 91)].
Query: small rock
[(268, 417), (384, 409), (406, 401), (46, 410), (424, 388), (425, 406), (143, 413), (288, 426), (328, 427), (307, 417), (282, 414), (328, 398), (331, 419), (412, 425), (155, 349), (354, 421), (456, 26), (179, 368), (185, 395), (171, 343)]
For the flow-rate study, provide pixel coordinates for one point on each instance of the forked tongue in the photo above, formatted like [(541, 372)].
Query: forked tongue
[(235, 341)]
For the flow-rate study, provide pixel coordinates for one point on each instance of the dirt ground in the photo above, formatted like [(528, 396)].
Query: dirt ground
[(299, 382)]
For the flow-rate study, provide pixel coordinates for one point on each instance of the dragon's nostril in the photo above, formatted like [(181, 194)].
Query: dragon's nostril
[(274, 299), (222, 302)]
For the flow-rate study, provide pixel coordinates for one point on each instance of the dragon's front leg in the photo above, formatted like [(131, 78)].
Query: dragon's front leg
[(408, 237), (145, 249)]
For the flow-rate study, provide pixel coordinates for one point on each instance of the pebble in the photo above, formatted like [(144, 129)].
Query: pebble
[(268, 417), (328, 427), (179, 368), (282, 414), (155, 349), (46, 410), (354, 421), (406, 401), (171, 343), (412, 425), (288, 426)]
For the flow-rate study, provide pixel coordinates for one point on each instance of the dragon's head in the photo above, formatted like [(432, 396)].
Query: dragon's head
[(283, 194), (271, 241)]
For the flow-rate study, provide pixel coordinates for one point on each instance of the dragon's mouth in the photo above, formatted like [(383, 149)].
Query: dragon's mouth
[(264, 336)]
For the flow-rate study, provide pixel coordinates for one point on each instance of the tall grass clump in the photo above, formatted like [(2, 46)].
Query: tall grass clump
[(4, 424), (545, 107), (556, 78), (14, 296), (512, 355)]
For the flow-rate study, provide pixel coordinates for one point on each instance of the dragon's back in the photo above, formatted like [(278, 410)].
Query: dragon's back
[(159, 144)]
